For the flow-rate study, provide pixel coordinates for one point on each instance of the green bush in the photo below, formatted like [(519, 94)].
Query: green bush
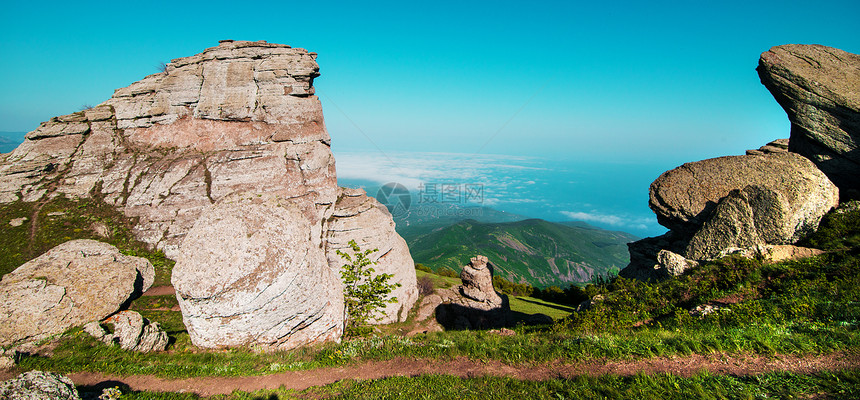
[(364, 294)]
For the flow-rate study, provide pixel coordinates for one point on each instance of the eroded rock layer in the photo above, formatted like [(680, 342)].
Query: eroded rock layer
[(239, 116)]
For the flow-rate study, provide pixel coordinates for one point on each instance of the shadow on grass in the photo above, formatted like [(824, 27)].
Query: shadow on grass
[(550, 305)]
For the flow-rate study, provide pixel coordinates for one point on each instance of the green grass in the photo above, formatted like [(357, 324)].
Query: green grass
[(804, 307), (531, 305), (61, 220), (831, 385)]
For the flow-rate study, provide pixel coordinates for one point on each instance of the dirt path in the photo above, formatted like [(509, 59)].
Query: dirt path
[(300, 380)]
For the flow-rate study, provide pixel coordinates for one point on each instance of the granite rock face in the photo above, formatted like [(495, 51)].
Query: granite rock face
[(74, 283), (362, 218), (685, 197), (239, 116), (38, 385), (817, 86), (252, 271)]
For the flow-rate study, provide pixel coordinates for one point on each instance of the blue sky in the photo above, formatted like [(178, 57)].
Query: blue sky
[(648, 84)]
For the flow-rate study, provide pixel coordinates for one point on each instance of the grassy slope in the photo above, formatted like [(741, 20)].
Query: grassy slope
[(539, 252), (804, 307), (60, 220)]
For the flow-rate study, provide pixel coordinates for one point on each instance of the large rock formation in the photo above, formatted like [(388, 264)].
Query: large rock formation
[(252, 271), (70, 285), (363, 219), (768, 197), (240, 116), (773, 196), (684, 198), (817, 86), (234, 135)]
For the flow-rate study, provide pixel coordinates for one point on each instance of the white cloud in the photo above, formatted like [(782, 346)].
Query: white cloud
[(413, 169), (592, 217), (611, 219)]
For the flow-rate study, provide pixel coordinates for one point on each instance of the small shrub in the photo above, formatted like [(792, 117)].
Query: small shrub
[(422, 267), (363, 293), (425, 285), (445, 271)]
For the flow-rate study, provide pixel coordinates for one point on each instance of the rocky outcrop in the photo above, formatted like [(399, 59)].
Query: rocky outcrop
[(477, 277), (685, 197), (239, 116), (252, 270), (761, 203), (38, 385), (472, 305), (131, 331), (363, 219), (817, 87), (74, 283), (769, 197), (225, 143)]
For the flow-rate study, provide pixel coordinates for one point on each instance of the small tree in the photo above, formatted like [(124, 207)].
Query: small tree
[(363, 293)]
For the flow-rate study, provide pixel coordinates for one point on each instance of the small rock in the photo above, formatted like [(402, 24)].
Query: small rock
[(38, 385), (100, 229), (6, 362), (428, 307), (674, 264), (135, 333), (131, 331), (18, 221)]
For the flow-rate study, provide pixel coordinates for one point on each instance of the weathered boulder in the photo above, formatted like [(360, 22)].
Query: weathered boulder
[(767, 197), (70, 285), (253, 270), (38, 385), (131, 331), (685, 197), (477, 277), (239, 116), (474, 304), (363, 219), (674, 264), (817, 86)]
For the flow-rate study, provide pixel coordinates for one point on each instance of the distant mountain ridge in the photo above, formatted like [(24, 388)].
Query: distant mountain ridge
[(535, 251)]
